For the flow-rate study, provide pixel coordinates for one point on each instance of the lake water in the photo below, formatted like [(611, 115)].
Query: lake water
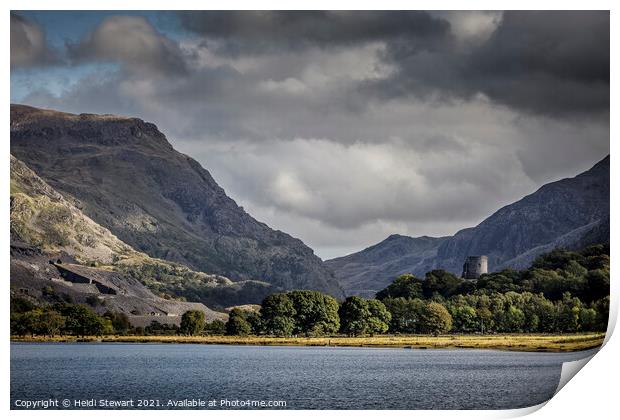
[(303, 377)]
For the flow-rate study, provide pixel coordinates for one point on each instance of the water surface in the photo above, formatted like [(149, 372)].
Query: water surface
[(303, 377)]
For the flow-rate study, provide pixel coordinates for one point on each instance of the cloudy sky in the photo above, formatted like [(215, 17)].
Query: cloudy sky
[(341, 128)]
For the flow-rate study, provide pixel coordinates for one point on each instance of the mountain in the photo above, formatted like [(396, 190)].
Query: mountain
[(42, 218), (569, 213), (366, 272), (59, 254), (124, 175), (554, 210)]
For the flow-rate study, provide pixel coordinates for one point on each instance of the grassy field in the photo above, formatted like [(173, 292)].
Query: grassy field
[(516, 342)]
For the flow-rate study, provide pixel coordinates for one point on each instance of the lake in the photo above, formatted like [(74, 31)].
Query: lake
[(187, 375)]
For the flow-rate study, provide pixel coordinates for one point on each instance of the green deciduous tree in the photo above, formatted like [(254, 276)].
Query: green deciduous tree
[(49, 322), (406, 286), (379, 319), (192, 322), (81, 321), (354, 314), (464, 318), (215, 327), (278, 315), (237, 324), (120, 322), (315, 313), (435, 319), (255, 321), (405, 313)]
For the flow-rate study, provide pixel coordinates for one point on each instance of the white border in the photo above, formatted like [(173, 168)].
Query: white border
[(592, 395)]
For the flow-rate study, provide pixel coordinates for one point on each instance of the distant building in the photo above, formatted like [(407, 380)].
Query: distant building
[(475, 266)]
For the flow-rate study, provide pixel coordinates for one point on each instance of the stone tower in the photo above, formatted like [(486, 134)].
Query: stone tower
[(475, 266)]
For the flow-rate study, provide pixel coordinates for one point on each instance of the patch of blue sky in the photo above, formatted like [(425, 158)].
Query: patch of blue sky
[(54, 80), (62, 26)]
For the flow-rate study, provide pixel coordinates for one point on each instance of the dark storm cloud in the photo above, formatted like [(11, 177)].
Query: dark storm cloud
[(132, 41), (268, 31), (553, 63), (29, 47)]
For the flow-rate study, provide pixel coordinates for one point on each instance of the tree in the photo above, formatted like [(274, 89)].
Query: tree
[(598, 284), (405, 286), (237, 324), (513, 320), (485, 318), (465, 318), (405, 313), (18, 326), (81, 321), (539, 313), (119, 321), (380, 317), (435, 319), (557, 259), (315, 313), (21, 305), (602, 311), (569, 309), (278, 314), (588, 319), (504, 281), (216, 327), (192, 322), (354, 315), (24, 323), (440, 282), (255, 321), (49, 322)]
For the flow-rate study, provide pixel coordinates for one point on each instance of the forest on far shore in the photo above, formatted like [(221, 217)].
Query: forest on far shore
[(562, 292)]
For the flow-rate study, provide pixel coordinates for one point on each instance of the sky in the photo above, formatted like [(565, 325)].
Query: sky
[(341, 128)]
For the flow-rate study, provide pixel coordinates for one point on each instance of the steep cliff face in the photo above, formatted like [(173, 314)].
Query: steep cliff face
[(570, 213), (123, 174), (366, 272)]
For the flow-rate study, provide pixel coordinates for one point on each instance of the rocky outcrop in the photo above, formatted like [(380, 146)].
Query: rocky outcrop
[(123, 174)]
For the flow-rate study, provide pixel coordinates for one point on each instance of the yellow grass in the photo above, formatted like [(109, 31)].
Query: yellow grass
[(516, 342)]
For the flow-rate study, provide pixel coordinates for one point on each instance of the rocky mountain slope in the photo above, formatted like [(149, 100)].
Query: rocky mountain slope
[(47, 277), (54, 248), (540, 218), (124, 175), (570, 213), (364, 273), (45, 224)]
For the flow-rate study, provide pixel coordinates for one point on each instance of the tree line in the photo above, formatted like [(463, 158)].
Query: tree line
[(64, 318), (562, 292)]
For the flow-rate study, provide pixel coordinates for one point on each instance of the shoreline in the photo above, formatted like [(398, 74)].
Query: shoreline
[(512, 342)]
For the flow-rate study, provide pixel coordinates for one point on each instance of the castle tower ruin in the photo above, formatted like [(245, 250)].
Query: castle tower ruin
[(475, 266)]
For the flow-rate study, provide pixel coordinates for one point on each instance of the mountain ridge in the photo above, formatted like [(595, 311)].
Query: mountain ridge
[(124, 174), (569, 212)]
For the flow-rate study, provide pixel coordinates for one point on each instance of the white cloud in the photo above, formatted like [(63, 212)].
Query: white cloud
[(132, 41), (29, 47)]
